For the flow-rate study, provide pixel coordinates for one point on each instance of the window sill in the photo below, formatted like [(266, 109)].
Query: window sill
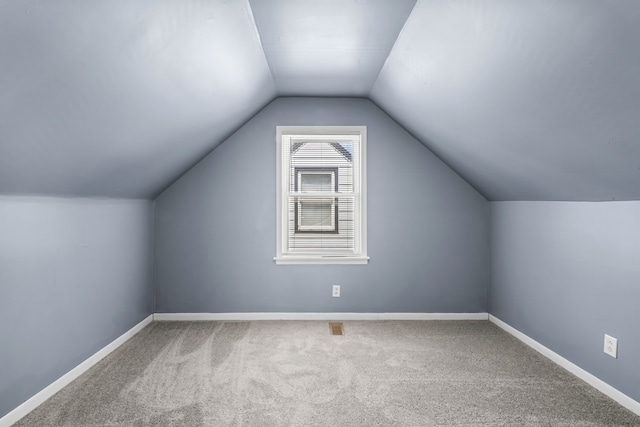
[(308, 259)]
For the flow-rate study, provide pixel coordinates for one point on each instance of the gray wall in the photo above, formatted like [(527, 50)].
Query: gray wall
[(566, 273), (215, 227), (74, 275)]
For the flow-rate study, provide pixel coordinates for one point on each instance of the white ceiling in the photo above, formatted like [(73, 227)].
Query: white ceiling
[(118, 98), (536, 100), (526, 100), (329, 47)]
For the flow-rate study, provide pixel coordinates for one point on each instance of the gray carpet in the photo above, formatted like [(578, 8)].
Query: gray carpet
[(382, 373)]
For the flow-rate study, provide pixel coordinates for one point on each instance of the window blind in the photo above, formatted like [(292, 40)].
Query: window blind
[(321, 197)]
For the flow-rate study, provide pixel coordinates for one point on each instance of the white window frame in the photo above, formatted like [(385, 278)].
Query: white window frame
[(359, 254)]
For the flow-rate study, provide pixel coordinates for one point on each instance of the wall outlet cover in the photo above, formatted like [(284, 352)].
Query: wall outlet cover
[(336, 291), (611, 346)]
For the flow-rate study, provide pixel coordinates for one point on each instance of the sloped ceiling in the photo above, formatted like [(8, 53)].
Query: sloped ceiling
[(531, 100), (118, 98), (527, 100)]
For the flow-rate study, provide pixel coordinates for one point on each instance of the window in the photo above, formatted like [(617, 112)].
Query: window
[(321, 191)]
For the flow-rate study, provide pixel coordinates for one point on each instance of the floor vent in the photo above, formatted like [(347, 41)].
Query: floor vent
[(336, 328)]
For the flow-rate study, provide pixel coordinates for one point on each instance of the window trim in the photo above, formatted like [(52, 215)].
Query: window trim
[(360, 256)]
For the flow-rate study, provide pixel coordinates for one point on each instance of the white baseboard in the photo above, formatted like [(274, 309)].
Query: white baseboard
[(318, 316), (39, 398), (585, 376)]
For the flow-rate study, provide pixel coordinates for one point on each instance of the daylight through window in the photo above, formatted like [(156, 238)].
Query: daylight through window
[(321, 189)]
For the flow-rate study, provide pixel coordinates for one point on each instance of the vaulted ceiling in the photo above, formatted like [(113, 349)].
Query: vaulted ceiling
[(536, 100)]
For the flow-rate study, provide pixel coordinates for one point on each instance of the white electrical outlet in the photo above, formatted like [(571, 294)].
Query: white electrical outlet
[(611, 346), (336, 291)]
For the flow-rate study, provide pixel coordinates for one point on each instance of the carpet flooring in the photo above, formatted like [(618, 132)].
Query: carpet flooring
[(293, 373)]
